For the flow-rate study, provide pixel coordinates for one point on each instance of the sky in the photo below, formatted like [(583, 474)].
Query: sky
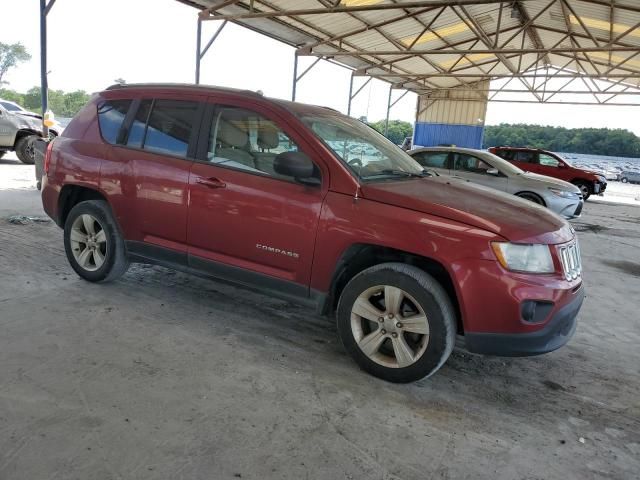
[(93, 42)]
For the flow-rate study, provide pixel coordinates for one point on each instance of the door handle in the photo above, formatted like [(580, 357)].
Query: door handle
[(211, 182)]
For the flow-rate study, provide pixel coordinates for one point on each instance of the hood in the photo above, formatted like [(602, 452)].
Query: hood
[(512, 218), (553, 182)]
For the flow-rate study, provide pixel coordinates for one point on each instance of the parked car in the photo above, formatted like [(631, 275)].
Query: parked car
[(550, 164), (233, 185), (19, 128), (629, 176), (484, 168)]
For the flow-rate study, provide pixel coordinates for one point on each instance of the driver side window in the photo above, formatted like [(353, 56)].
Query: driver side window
[(471, 164), (548, 160)]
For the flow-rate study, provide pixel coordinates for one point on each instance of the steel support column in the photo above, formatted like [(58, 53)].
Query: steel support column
[(296, 77), (45, 8), (200, 53), (389, 106), (354, 95)]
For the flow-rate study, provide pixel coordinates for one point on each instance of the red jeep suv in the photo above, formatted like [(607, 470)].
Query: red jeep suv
[(309, 205), (551, 164)]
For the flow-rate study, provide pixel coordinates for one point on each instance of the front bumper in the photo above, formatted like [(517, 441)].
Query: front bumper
[(599, 187), (556, 333)]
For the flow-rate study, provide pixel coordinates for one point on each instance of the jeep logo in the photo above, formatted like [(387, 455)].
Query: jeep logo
[(277, 251)]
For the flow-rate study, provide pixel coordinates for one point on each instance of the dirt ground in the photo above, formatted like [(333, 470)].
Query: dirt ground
[(166, 376)]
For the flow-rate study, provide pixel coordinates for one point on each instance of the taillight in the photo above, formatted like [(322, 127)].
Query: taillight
[(47, 158)]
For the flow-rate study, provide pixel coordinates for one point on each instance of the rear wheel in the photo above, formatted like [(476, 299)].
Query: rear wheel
[(397, 322), (93, 244), (25, 149), (585, 188), (532, 197)]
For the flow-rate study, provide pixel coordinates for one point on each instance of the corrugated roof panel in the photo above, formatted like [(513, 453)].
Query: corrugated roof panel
[(453, 29)]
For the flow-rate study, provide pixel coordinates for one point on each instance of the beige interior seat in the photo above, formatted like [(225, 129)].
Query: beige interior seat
[(231, 144)]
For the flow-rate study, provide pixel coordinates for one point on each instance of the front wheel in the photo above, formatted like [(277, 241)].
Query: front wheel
[(397, 322), (585, 188), (532, 197), (93, 244), (624, 180), (25, 149)]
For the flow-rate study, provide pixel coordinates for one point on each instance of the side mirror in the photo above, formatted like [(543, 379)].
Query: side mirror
[(493, 171), (297, 165), (562, 165)]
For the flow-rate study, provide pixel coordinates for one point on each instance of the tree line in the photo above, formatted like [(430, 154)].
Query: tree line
[(594, 141), (62, 104)]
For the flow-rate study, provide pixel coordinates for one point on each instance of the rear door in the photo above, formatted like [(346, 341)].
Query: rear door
[(437, 161), (476, 170), (157, 153), (527, 160), (246, 220)]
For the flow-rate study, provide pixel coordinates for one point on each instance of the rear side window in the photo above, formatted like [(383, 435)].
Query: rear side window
[(506, 154), (169, 127), (163, 126), (111, 117), (524, 156)]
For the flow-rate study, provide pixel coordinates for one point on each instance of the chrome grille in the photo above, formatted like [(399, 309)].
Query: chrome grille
[(570, 259)]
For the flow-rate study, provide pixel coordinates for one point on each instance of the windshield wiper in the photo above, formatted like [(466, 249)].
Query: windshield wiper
[(401, 173)]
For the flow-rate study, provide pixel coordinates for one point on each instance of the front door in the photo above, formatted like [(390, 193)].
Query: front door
[(246, 220), (473, 169), (433, 161)]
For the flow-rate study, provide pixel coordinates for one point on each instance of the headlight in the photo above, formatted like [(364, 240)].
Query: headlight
[(563, 193), (524, 258), (602, 179)]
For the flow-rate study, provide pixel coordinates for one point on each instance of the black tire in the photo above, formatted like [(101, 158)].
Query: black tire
[(585, 188), (116, 261), (624, 180), (532, 197), (25, 149), (2, 152), (432, 299)]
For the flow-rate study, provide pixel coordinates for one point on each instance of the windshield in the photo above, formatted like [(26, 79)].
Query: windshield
[(366, 152), (10, 107)]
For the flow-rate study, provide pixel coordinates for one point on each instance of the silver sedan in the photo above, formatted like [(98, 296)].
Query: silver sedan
[(484, 168)]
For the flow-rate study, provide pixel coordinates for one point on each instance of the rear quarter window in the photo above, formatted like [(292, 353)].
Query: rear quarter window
[(111, 115)]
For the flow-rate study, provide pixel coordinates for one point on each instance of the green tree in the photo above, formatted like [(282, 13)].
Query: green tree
[(61, 103), (595, 141), (10, 56), (398, 130)]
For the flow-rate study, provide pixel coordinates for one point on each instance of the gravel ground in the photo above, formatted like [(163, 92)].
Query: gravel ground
[(166, 376)]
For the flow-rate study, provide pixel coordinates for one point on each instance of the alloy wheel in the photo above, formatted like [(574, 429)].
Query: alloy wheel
[(389, 326), (88, 242)]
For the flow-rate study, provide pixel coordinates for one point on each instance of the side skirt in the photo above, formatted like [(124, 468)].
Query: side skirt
[(140, 252)]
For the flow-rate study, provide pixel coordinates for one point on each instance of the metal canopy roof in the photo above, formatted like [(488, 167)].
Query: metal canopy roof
[(551, 51)]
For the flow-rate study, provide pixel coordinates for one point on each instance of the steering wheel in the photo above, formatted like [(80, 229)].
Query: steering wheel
[(356, 162)]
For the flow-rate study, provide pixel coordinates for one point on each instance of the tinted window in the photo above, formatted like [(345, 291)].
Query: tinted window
[(432, 159), (506, 154), (110, 117), (10, 107), (246, 140), (169, 127), (524, 156), (471, 164), (136, 132), (548, 160)]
